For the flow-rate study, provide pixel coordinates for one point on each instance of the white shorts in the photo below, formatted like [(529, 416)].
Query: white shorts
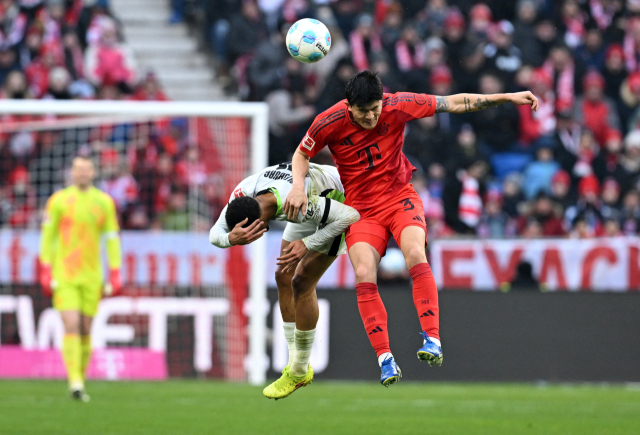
[(323, 179), (334, 247)]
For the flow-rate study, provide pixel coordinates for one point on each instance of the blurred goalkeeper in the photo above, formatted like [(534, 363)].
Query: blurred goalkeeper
[(71, 268), (309, 247)]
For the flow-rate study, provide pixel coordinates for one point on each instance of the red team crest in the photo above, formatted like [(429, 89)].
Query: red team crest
[(383, 129)]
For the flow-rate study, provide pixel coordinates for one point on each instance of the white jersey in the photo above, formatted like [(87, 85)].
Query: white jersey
[(320, 181), (326, 217)]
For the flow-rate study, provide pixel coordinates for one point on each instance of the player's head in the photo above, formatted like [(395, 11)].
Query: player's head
[(82, 172), (242, 208), (364, 95)]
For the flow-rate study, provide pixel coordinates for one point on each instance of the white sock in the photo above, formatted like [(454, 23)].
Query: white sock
[(289, 328), (435, 340), (384, 356), (304, 344)]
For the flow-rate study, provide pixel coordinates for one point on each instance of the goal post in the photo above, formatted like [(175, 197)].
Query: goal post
[(45, 115)]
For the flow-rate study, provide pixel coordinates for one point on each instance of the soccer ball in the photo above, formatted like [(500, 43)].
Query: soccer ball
[(308, 40)]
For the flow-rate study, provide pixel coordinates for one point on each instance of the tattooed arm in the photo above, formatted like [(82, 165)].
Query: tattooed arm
[(462, 103)]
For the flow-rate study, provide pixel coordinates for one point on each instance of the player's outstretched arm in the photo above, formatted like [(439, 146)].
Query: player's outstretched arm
[(463, 103), (297, 198)]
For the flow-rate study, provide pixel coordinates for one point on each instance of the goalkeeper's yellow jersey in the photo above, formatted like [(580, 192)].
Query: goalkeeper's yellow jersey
[(72, 227)]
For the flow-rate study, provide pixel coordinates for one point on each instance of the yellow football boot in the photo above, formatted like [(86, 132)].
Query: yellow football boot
[(287, 384)]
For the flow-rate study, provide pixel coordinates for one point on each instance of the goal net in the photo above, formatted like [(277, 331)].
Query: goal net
[(187, 309)]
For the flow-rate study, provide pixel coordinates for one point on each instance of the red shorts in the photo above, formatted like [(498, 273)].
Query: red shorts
[(377, 224)]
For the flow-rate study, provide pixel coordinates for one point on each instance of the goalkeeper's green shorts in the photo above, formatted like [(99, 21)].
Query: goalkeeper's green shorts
[(77, 297)]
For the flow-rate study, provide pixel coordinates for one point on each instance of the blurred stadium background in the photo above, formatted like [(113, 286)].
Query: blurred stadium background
[(539, 283)]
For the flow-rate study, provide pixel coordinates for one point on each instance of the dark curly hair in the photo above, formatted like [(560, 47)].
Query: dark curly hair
[(364, 89), (240, 209)]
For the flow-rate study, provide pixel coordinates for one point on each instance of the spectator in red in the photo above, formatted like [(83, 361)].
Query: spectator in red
[(116, 179), (21, 197), (364, 42), (539, 125), (588, 206), (607, 162), (480, 20), (544, 212), (565, 74), (149, 89), (561, 189), (594, 110), (191, 171), (110, 63), (37, 72)]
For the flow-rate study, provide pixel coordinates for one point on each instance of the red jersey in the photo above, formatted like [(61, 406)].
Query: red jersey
[(371, 164)]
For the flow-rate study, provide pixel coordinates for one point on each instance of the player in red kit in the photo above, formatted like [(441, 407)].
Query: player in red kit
[(365, 134)]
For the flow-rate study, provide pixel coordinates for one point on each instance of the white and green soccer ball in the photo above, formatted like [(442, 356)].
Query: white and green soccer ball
[(308, 40)]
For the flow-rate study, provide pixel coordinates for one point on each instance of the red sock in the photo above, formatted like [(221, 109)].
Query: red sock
[(374, 316), (425, 298)]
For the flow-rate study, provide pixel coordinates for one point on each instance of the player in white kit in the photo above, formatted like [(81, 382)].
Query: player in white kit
[(309, 247)]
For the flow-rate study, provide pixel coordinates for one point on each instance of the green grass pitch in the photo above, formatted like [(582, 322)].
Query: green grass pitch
[(204, 407)]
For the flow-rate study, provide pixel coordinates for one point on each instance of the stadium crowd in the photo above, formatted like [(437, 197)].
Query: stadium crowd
[(570, 169)]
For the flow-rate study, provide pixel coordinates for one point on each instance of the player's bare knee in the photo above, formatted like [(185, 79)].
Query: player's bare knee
[(283, 279), (415, 255), (300, 284), (364, 274)]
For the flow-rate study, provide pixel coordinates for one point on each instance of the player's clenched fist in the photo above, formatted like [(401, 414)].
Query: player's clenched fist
[(296, 201), (526, 97), (45, 279), (244, 236)]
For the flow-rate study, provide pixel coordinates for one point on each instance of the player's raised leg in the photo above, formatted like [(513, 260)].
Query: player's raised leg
[(287, 306), (303, 284), (365, 259), (425, 292)]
